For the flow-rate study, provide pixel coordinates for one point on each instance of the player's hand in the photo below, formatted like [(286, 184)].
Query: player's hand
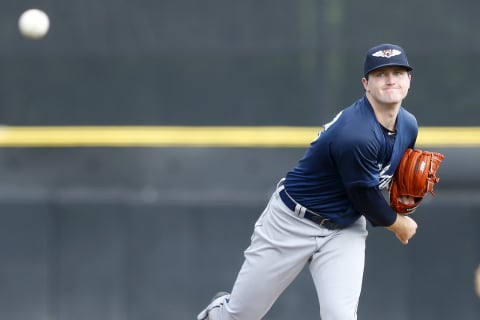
[(404, 228), (408, 200)]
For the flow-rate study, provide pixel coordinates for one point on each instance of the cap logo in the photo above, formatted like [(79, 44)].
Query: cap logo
[(387, 53)]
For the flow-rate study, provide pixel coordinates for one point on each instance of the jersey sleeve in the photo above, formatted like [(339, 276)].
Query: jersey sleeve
[(356, 161), (371, 203)]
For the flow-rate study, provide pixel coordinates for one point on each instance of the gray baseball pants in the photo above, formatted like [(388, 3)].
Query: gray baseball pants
[(281, 245)]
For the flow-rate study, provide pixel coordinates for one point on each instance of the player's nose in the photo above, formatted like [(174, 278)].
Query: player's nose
[(390, 77)]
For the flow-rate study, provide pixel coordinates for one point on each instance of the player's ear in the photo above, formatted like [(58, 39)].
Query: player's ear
[(365, 82)]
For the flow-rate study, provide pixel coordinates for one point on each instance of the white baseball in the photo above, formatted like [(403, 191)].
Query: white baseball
[(34, 24)]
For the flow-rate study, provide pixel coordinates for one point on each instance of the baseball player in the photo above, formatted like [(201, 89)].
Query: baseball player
[(318, 212)]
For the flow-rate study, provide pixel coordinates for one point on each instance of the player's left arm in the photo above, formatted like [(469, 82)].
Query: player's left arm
[(372, 204)]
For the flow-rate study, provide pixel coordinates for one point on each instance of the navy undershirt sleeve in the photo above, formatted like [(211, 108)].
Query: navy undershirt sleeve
[(371, 203)]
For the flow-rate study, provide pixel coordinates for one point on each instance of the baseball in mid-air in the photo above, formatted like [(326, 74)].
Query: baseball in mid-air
[(33, 24)]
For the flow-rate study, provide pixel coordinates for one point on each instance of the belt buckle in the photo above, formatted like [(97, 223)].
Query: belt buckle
[(324, 220)]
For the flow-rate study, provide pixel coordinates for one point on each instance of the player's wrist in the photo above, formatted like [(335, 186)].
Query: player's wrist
[(394, 224)]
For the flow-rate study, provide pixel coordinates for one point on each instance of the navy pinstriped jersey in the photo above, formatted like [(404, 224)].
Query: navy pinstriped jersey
[(352, 150)]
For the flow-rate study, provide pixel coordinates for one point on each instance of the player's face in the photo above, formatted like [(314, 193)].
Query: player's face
[(387, 86)]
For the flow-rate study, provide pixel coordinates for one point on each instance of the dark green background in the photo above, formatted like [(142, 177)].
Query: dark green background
[(231, 63)]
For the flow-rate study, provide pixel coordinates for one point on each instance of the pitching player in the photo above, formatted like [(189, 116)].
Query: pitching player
[(317, 215)]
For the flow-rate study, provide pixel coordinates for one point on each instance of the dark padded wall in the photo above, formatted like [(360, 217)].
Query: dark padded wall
[(153, 233)]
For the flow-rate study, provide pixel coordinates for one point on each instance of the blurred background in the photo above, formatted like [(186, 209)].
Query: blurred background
[(153, 232)]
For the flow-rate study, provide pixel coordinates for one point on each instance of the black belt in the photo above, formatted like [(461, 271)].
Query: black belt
[(310, 215)]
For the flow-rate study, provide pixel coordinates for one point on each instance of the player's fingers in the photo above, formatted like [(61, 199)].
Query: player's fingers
[(407, 200), (402, 240)]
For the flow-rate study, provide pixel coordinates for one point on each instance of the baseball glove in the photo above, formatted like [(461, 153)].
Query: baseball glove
[(414, 177)]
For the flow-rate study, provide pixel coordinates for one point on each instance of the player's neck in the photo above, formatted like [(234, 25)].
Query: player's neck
[(386, 114)]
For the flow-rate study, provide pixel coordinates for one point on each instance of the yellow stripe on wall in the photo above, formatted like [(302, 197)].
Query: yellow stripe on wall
[(199, 136)]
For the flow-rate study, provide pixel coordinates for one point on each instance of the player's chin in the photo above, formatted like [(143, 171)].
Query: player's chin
[(394, 96), (394, 99)]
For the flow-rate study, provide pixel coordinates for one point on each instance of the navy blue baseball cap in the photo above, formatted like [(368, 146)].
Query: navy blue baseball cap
[(385, 55)]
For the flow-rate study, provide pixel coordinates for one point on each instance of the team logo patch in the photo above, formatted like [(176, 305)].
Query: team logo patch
[(387, 53), (385, 178)]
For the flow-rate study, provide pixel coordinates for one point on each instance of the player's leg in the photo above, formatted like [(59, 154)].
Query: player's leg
[(279, 249), (337, 271)]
